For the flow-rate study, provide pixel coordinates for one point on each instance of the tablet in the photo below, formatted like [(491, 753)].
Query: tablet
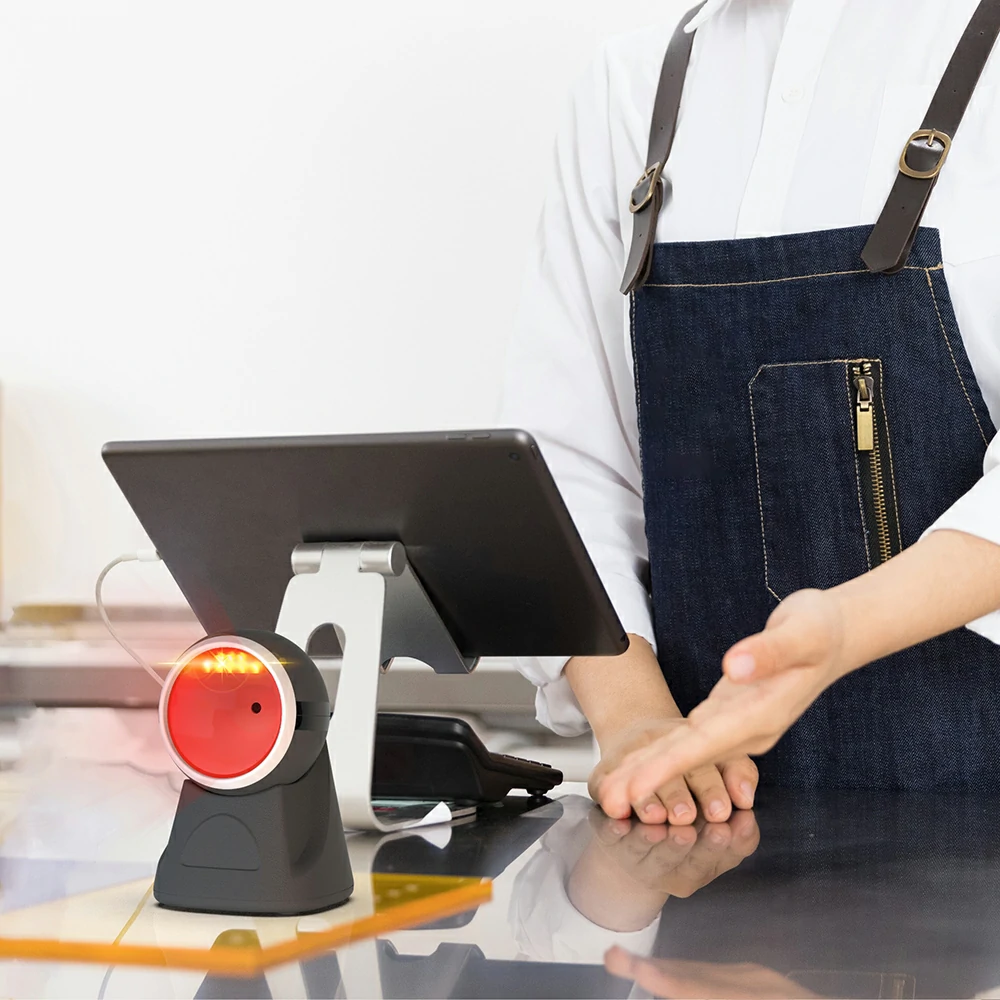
[(484, 527)]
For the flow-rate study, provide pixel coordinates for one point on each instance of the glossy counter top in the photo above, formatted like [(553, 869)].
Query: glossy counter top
[(847, 895)]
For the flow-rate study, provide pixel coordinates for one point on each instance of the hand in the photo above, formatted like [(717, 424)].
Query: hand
[(716, 786), (735, 719), (708, 980), (677, 862), (629, 870), (805, 630)]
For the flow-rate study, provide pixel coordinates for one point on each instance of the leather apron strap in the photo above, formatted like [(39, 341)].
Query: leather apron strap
[(920, 164), (927, 149), (649, 194)]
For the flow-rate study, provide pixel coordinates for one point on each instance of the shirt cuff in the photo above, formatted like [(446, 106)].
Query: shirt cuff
[(578, 934), (977, 513), (556, 706)]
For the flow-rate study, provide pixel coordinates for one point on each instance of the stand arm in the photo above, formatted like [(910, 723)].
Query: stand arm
[(369, 593)]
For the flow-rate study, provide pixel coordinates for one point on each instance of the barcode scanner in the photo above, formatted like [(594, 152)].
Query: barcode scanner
[(258, 829)]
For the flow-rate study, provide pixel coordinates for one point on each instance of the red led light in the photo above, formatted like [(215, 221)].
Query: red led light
[(223, 712)]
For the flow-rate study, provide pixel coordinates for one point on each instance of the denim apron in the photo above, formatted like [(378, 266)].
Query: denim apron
[(806, 410), (801, 421)]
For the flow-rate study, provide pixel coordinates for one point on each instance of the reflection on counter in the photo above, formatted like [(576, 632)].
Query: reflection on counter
[(843, 895), (855, 895), (836, 895), (90, 785)]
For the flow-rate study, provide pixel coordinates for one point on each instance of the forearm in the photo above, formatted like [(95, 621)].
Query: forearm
[(616, 692), (601, 889), (943, 582)]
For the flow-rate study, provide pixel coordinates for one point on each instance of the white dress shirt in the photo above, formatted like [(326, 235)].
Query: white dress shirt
[(794, 116)]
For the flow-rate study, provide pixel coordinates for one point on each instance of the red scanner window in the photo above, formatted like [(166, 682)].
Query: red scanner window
[(224, 712)]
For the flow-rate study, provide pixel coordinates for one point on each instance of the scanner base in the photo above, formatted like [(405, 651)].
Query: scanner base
[(276, 852)]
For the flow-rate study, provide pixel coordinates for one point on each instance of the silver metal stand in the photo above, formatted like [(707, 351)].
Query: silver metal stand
[(379, 609)]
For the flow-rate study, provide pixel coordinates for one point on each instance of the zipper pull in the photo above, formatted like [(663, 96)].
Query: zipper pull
[(865, 387)]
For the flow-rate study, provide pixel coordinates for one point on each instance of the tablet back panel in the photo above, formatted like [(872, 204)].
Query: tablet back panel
[(482, 521)]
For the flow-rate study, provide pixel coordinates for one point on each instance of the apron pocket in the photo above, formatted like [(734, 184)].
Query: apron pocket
[(825, 477)]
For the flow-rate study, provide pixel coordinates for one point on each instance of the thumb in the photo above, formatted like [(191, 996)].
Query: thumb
[(620, 962), (773, 651)]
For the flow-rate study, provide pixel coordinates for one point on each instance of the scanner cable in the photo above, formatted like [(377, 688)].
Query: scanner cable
[(144, 555)]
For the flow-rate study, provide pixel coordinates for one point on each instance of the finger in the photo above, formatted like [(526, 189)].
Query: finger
[(608, 831), (676, 797), (740, 776), (777, 649), (746, 834), (711, 793), (631, 850), (597, 775), (653, 835), (666, 856), (715, 838), (660, 981), (611, 796), (686, 749), (620, 962), (660, 867), (706, 860), (683, 837), (652, 976), (651, 811), (612, 792)]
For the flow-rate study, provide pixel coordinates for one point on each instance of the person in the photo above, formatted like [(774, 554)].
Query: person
[(780, 445)]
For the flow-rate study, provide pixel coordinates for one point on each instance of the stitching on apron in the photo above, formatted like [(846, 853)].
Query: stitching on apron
[(804, 364), (777, 281), (892, 464), (635, 380), (857, 467), (857, 471), (760, 496), (944, 332)]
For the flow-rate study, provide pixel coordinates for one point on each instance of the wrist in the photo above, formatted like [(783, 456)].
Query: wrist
[(623, 721), (942, 582), (854, 647), (620, 693)]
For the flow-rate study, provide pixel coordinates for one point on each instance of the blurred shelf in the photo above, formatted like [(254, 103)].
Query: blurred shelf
[(76, 673)]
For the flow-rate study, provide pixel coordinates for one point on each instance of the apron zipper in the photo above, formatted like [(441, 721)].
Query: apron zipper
[(872, 444), (864, 387)]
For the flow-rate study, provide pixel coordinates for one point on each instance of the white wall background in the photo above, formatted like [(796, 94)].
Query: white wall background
[(228, 217)]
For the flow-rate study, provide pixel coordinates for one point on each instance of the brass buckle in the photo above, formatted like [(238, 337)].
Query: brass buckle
[(652, 174), (930, 134)]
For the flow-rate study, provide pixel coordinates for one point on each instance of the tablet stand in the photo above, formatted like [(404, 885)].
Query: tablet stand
[(379, 609)]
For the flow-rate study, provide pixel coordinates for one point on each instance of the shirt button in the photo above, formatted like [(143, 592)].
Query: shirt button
[(793, 95)]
